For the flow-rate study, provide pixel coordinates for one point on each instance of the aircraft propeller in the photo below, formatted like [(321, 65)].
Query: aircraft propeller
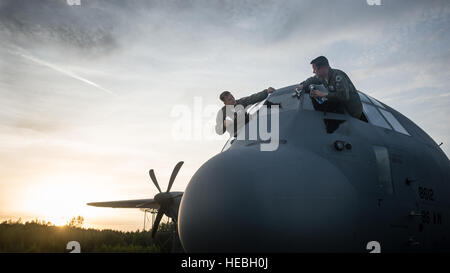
[(164, 199)]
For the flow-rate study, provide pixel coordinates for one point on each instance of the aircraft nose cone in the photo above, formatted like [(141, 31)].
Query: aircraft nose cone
[(252, 201), (221, 206)]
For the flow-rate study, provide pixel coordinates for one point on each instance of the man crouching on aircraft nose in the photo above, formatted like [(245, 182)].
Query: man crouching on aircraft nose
[(342, 94), (229, 117)]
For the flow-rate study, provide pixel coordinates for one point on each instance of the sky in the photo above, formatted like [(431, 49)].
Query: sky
[(91, 95)]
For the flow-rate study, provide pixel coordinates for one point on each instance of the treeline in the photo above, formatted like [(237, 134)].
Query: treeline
[(42, 236)]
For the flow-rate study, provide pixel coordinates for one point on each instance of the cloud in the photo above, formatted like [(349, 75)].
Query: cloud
[(62, 70), (49, 21), (158, 54)]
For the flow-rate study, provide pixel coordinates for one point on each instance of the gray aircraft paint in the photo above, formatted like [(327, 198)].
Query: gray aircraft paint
[(308, 196), (388, 193)]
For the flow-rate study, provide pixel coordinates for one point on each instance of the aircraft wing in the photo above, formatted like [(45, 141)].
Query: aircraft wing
[(149, 203)]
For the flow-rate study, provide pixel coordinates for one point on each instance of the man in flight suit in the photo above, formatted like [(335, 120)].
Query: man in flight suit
[(227, 117), (342, 94)]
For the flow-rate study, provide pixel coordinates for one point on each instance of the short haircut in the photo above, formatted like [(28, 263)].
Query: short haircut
[(320, 61), (223, 95)]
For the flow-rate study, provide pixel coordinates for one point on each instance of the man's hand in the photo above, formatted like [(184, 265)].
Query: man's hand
[(316, 94), (227, 122), (270, 90), (300, 87)]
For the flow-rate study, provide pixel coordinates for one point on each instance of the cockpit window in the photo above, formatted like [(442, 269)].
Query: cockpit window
[(255, 107), (394, 122), (385, 120), (307, 102), (281, 98), (363, 97), (228, 144), (374, 116), (377, 103)]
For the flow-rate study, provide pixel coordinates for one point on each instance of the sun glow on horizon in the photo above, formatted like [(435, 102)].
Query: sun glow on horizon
[(59, 198)]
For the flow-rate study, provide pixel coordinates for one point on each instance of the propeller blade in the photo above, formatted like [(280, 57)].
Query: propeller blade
[(157, 220), (143, 205), (174, 174), (153, 177)]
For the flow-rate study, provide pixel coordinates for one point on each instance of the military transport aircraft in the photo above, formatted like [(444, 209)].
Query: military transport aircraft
[(335, 184)]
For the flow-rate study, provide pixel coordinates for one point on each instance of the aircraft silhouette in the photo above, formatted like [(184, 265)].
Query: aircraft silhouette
[(335, 184)]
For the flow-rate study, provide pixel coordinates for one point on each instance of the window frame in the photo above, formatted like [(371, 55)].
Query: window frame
[(383, 161), (370, 117), (389, 118), (396, 125)]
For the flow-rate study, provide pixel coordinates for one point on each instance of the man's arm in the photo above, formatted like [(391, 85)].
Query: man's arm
[(257, 97), (311, 80), (220, 119), (342, 89)]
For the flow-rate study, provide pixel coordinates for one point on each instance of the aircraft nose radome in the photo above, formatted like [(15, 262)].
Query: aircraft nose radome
[(236, 202), (220, 206)]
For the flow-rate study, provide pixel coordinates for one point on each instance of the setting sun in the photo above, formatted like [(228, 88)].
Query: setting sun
[(58, 198)]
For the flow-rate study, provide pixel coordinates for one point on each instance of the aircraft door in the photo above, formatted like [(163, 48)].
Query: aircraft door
[(404, 178)]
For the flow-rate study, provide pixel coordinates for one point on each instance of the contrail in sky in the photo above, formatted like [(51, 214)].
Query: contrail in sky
[(63, 71)]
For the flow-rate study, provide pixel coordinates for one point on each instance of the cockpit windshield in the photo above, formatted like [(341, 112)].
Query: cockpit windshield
[(228, 144), (282, 98), (255, 107)]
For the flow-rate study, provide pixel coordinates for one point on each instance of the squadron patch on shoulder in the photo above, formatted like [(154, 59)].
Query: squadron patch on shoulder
[(338, 78)]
